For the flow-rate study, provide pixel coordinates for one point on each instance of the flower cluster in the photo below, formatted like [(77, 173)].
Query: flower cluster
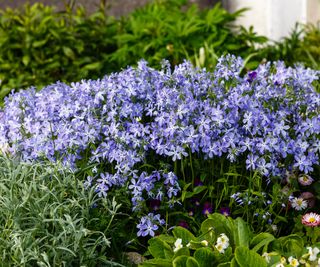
[(269, 117), (222, 243), (149, 224)]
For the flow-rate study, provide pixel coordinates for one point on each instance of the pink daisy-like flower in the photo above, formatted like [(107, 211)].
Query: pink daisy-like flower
[(311, 219), (305, 179)]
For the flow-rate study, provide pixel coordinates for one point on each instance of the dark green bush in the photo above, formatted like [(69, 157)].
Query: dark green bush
[(40, 46), (176, 31)]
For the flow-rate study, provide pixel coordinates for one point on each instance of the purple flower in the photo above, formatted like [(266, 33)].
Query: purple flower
[(225, 211), (207, 208)]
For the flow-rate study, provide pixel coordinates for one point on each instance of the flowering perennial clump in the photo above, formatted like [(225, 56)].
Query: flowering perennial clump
[(269, 117)]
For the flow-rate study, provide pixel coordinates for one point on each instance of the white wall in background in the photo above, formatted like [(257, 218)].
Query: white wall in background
[(275, 18)]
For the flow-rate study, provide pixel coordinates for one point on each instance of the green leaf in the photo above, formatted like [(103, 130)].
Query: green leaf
[(242, 234), (184, 234), (205, 257), (156, 263), (220, 224), (159, 249), (39, 43), (26, 60), (199, 189), (224, 264), (248, 258), (93, 66), (184, 251), (180, 261), (261, 240), (68, 52), (191, 262)]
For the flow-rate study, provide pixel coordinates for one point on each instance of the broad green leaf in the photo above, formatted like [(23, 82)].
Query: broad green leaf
[(248, 258), (180, 261), (205, 257), (156, 263), (184, 251), (241, 233), (159, 249), (261, 240), (192, 262), (184, 234)]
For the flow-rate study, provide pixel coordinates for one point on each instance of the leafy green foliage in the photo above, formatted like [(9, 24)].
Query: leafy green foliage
[(245, 248), (40, 46), (47, 218)]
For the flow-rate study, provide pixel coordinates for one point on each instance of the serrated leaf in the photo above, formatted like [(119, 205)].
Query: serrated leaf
[(261, 240), (184, 234), (159, 249), (248, 258), (156, 263), (241, 234), (192, 262), (204, 257)]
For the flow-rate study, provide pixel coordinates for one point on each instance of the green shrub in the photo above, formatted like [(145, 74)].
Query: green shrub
[(47, 218), (176, 31), (40, 46), (302, 46)]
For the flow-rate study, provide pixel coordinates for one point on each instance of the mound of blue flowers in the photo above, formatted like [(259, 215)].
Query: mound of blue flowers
[(268, 119)]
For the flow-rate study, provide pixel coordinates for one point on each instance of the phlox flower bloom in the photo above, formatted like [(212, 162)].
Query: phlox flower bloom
[(311, 219), (299, 203), (293, 261), (305, 179), (313, 253), (177, 245)]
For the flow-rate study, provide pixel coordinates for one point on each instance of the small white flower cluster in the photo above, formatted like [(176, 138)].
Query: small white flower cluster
[(222, 243), (309, 259)]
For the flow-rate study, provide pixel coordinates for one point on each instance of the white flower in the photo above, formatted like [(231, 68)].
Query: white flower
[(305, 179), (177, 245), (313, 253), (280, 265), (293, 261), (299, 203), (266, 256), (223, 240), (220, 248)]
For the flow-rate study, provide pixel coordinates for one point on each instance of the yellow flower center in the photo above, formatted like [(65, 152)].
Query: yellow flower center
[(312, 220)]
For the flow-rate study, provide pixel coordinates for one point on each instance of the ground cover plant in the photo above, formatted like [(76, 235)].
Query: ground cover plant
[(49, 219)]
